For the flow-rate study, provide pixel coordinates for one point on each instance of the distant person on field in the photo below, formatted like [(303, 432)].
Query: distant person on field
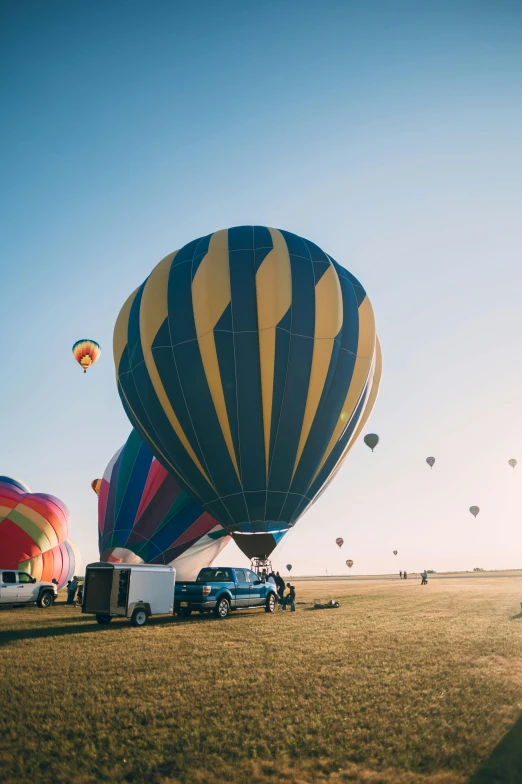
[(282, 598), (405, 575), (424, 576), (80, 595), (400, 575), (271, 579), (263, 576), (291, 597), (72, 587)]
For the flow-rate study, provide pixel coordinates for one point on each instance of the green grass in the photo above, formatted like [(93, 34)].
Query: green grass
[(401, 684)]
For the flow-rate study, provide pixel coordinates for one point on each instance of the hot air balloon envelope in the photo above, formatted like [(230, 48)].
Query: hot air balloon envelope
[(474, 510), (430, 461), (339, 542), (86, 352), (349, 564), (96, 484), (512, 462), (289, 567), (371, 440), (395, 552), (248, 362), (33, 533), (145, 516)]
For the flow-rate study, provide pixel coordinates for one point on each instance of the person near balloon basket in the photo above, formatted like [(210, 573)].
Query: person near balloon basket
[(290, 599)]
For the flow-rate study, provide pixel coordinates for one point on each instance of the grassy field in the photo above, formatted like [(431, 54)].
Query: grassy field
[(402, 684)]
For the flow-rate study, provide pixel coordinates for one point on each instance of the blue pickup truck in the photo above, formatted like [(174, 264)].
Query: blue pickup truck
[(219, 590)]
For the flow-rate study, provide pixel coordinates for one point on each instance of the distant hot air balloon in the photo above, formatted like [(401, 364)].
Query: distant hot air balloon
[(96, 484), (371, 440), (289, 567), (395, 552), (430, 461), (339, 542), (145, 516), (349, 564), (86, 352), (512, 462), (474, 510), (248, 362)]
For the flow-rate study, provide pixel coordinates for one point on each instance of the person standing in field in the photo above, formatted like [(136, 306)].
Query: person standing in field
[(280, 584), (71, 590), (405, 575), (400, 575), (291, 597), (271, 579), (424, 576)]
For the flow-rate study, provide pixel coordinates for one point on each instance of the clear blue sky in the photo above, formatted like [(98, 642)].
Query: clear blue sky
[(386, 132)]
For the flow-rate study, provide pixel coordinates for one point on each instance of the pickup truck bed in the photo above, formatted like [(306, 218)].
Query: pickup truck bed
[(222, 589)]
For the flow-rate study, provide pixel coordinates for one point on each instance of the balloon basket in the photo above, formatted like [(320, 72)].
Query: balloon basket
[(258, 564)]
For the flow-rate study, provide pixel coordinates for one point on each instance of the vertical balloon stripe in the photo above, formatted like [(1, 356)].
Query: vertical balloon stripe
[(274, 299), (328, 324), (360, 375), (157, 475)]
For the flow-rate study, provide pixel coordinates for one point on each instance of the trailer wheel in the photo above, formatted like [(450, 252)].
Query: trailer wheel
[(222, 608), (139, 617), (103, 619)]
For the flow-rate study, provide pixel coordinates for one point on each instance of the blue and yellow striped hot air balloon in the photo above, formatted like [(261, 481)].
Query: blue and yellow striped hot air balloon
[(248, 362)]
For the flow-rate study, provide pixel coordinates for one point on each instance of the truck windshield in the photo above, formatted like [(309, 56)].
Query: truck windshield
[(214, 576)]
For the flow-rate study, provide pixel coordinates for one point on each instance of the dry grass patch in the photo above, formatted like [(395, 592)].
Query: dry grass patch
[(402, 684)]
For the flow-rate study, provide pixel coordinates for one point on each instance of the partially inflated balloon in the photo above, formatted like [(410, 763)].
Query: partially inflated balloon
[(33, 531), (512, 462), (96, 484), (430, 461), (60, 564), (474, 510), (371, 440), (86, 352), (289, 567), (144, 516), (349, 564), (395, 552), (339, 542), (248, 363)]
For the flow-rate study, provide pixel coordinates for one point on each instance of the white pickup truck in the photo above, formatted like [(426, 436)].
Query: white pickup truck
[(20, 588)]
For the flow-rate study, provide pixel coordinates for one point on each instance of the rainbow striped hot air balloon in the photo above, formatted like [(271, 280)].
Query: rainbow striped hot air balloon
[(248, 362), (86, 352), (144, 516), (33, 533)]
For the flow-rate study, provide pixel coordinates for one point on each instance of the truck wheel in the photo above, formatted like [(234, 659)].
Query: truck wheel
[(270, 604), (222, 608), (103, 619), (45, 599), (139, 617)]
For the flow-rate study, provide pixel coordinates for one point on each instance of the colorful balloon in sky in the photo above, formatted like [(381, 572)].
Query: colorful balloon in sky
[(33, 533), (289, 567), (86, 352), (339, 542), (474, 510), (144, 515), (371, 440), (349, 563), (248, 362), (512, 462), (430, 461), (96, 484), (395, 552)]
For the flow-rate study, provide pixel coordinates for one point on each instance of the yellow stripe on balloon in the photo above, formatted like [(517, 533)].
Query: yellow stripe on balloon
[(363, 364), (274, 298), (210, 298), (375, 384), (121, 331), (328, 322), (153, 312), (39, 529)]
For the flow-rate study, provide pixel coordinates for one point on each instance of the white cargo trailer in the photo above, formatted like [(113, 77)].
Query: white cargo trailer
[(135, 591)]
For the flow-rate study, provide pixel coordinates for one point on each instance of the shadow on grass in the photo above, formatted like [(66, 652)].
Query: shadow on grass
[(504, 766), (516, 617), (85, 624)]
